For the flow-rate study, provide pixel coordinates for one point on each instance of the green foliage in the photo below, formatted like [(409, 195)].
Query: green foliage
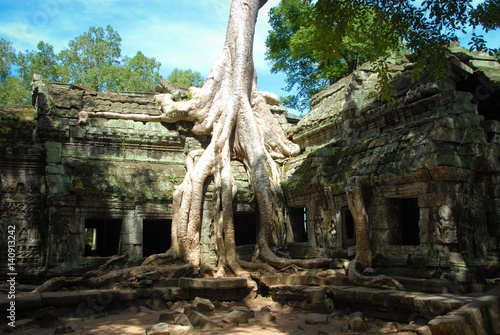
[(92, 59), (138, 73), (186, 78), (317, 42), (315, 48), (10, 86)]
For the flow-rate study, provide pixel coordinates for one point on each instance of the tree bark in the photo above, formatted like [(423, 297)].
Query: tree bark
[(364, 255), (231, 110)]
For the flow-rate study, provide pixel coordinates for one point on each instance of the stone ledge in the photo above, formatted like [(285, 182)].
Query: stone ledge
[(212, 283), (480, 316)]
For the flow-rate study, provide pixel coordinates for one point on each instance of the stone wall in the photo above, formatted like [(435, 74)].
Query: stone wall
[(22, 187), (428, 160), (61, 177)]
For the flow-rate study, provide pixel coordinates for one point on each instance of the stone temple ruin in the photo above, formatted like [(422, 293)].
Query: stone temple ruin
[(82, 189)]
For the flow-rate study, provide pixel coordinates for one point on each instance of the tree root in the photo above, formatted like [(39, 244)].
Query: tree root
[(380, 281)]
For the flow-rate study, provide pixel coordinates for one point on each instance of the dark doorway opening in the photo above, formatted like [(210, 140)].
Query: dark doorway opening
[(403, 216), (245, 228), (102, 237), (348, 229), (298, 221), (410, 216), (156, 236)]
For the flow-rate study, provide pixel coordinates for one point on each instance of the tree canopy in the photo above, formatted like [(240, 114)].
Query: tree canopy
[(317, 42), (92, 59), (186, 78)]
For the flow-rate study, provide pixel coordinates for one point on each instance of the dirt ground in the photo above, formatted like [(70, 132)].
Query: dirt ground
[(133, 320)]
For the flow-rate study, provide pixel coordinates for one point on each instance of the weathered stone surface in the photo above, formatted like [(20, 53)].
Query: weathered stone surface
[(249, 312), (158, 329), (357, 322), (205, 306), (235, 317), (179, 330), (183, 320), (213, 283), (316, 319), (168, 316), (200, 321)]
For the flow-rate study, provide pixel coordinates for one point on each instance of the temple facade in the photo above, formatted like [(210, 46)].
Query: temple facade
[(81, 189)]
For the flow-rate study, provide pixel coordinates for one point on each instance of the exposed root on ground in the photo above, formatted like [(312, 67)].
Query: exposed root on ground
[(380, 281)]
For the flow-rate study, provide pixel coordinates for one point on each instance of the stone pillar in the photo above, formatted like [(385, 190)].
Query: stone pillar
[(131, 238)]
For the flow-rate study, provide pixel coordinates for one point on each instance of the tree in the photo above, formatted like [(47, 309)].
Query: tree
[(231, 110), (138, 73), (43, 62), (10, 86), (186, 78), (317, 42), (92, 58)]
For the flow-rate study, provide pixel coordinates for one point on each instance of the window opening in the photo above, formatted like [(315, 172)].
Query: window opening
[(245, 228), (102, 237), (410, 216), (403, 216), (156, 236), (298, 221), (348, 229)]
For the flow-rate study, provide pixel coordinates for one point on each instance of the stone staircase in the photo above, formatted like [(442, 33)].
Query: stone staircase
[(320, 295)]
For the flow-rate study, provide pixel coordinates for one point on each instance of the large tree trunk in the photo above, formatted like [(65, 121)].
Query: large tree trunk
[(231, 110), (364, 255)]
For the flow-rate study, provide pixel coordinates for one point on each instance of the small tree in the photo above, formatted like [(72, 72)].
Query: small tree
[(186, 78)]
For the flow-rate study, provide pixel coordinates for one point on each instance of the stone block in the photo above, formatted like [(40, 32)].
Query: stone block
[(61, 299), (235, 317), (127, 295), (321, 307), (213, 283), (357, 322), (200, 321), (203, 305), (314, 294), (158, 329), (26, 301), (168, 316), (54, 152), (316, 319), (250, 313), (183, 320)]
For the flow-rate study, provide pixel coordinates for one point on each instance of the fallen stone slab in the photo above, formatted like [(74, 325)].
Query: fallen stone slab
[(249, 312), (481, 316), (159, 329), (200, 321), (204, 306), (212, 283), (183, 320), (235, 317), (316, 319)]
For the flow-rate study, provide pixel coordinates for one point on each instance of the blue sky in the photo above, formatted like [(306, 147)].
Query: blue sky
[(183, 34)]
